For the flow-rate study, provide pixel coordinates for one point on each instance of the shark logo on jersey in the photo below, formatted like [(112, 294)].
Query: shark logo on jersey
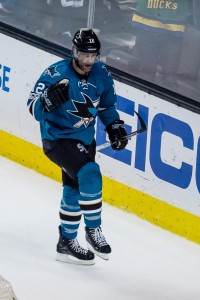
[(51, 71), (86, 111)]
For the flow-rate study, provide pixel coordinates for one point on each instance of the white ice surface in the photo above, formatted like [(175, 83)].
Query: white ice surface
[(147, 263)]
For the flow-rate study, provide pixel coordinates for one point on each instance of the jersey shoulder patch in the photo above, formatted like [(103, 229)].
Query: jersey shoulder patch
[(54, 70)]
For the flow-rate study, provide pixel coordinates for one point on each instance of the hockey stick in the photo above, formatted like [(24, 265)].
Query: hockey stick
[(128, 136)]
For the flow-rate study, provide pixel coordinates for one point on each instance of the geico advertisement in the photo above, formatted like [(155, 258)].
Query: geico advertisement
[(163, 162)]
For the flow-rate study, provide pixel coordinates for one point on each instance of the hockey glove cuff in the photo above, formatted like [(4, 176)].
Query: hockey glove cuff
[(116, 131), (55, 95)]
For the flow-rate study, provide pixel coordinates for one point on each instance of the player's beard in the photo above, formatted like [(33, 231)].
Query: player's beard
[(83, 67)]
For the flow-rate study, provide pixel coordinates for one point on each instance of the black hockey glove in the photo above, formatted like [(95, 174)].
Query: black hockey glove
[(116, 131), (55, 95)]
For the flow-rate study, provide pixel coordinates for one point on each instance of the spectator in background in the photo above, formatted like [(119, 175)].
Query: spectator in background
[(160, 26), (8, 6), (196, 13), (14, 13), (189, 68), (63, 16), (196, 23)]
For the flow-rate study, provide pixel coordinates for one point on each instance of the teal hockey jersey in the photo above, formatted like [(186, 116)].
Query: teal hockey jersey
[(88, 98)]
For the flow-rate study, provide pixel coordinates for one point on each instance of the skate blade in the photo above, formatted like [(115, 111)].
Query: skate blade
[(73, 260), (105, 256)]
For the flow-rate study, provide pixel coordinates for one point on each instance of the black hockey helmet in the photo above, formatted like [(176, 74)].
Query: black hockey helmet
[(86, 40)]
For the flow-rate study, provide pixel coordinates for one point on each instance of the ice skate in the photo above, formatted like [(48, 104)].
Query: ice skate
[(97, 243), (70, 251)]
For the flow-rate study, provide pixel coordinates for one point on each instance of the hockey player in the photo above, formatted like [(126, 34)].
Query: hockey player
[(66, 99)]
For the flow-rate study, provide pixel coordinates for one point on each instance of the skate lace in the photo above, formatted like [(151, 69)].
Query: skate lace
[(98, 237), (76, 247)]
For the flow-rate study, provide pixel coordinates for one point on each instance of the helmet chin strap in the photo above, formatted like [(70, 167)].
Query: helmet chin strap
[(77, 63), (75, 56)]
